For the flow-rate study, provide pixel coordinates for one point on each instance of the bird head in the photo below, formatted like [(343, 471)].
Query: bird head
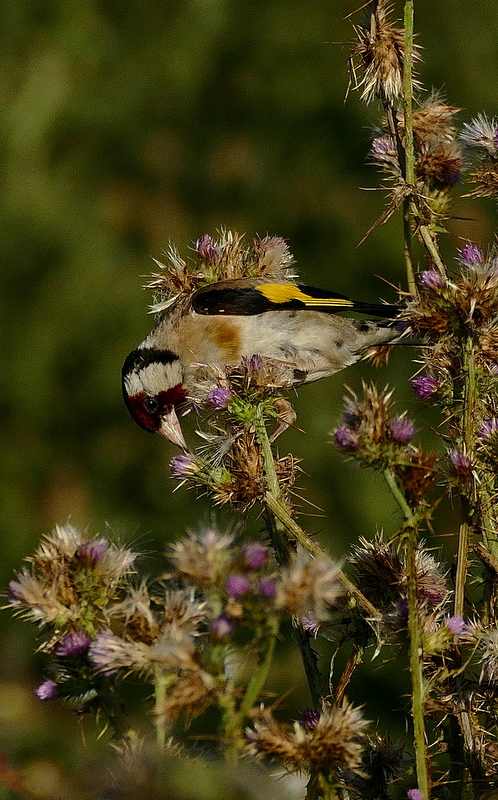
[(153, 391)]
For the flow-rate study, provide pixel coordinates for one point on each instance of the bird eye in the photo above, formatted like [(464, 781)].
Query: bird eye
[(151, 405)]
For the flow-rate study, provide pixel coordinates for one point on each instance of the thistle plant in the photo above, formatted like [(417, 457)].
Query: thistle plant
[(204, 634)]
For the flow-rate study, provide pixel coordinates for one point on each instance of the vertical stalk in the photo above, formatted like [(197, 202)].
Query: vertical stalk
[(409, 158), (160, 685), (415, 637), (468, 428)]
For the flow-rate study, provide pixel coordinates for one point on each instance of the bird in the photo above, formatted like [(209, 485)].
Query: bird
[(222, 323)]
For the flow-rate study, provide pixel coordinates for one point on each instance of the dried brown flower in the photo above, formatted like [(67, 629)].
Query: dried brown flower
[(308, 585), (202, 557), (379, 54), (333, 744)]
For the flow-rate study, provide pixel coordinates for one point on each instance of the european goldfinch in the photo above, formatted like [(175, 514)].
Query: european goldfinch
[(221, 323)]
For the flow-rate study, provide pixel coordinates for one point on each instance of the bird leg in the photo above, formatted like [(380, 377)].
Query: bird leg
[(286, 417)]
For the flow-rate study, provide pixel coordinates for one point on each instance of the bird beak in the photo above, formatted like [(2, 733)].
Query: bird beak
[(170, 429)]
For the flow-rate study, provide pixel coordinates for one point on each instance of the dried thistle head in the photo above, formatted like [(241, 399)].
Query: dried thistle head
[(378, 566), (480, 138), (333, 743), (72, 582), (219, 259), (383, 576), (308, 586), (202, 558), (379, 55), (434, 121)]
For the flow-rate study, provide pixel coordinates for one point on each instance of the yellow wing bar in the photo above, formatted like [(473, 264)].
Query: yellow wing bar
[(286, 292)]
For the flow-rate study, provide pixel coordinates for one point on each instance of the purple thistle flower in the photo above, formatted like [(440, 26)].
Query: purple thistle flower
[(255, 363), (237, 586), (457, 626), (74, 644), (460, 462), (254, 554), (346, 437), (219, 397), (402, 608), (424, 386), (471, 255), (221, 627), (47, 690), (402, 429), (267, 588), (489, 428), (414, 794), (205, 248), (310, 717), (182, 466), (431, 279), (92, 552)]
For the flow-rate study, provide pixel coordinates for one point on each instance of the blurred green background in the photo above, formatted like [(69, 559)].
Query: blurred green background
[(127, 125)]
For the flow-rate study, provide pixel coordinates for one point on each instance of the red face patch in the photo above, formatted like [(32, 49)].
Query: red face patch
[(147, 411)]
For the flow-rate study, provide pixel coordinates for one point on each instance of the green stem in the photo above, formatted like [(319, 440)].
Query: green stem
[(416, 656), (415, 636), (431, 248), (468, 431), (160, 687), (261, 672), (409, 160)]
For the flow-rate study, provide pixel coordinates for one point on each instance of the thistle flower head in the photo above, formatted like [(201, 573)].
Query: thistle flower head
[(92, 551), (237, 586), (221, 627), (74, 644), (205, 247), (219, 397), (415, 794), (489, 429), (267, 588), (460, 462), (402, 429), (254, 554), (424, 386), (431, 580), (346, 438), (333, 743), (489, 656), (308, 585), (481, 134), (379, 54), (471, 255), (184, 466), (110, 653), (458, 627), (310, 717), (202, 557), (432, 279), (218, 259), (47, 690)]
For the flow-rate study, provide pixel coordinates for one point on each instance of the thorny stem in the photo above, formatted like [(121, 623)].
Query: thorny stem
[(468, 427), (278, 535), (302, 538), (409, 157), (431, 248), (416, 652)]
